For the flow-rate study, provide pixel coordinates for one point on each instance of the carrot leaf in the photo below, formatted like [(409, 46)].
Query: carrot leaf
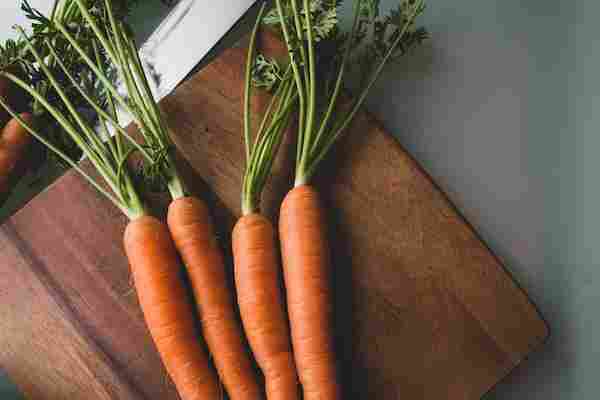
[(323, 58)]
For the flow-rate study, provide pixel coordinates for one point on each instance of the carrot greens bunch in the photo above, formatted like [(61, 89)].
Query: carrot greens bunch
[(16, 57), (321, 70), (79, 65)]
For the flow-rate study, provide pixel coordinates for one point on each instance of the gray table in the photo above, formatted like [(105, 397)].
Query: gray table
[(502, 108)]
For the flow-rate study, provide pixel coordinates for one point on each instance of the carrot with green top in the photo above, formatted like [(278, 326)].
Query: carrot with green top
[(256, 256), (188, 219), (322, 119)]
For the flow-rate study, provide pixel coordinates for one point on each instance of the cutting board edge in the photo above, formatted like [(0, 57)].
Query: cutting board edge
[(394, 142)]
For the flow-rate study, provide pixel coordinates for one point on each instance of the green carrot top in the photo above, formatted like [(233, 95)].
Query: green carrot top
[(321, 59), (105, 46)]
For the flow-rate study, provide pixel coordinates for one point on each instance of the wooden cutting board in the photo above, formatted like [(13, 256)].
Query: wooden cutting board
[(424, 309)]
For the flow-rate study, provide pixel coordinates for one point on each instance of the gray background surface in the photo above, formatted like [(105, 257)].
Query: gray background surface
[(502, 107)]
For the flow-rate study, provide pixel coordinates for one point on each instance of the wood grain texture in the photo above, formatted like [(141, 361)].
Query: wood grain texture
[(423, 308)]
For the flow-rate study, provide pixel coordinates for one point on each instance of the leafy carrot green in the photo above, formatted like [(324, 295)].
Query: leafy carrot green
[(321, 71)]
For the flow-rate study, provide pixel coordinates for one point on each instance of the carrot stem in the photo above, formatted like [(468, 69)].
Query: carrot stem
[(317, 134), (262, 147)]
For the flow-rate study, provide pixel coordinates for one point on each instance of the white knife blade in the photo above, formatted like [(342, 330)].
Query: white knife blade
[(190, 30), (185, 36)]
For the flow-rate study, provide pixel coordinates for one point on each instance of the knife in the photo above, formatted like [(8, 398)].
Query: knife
[(185, 37)]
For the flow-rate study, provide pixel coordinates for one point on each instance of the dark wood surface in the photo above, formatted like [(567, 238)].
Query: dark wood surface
[(424, 309)]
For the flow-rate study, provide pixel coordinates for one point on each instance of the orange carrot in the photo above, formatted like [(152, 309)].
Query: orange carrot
[(4, 93), (307, 269), (194, 237), (169, 315), (258, 277), (13, 142)]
